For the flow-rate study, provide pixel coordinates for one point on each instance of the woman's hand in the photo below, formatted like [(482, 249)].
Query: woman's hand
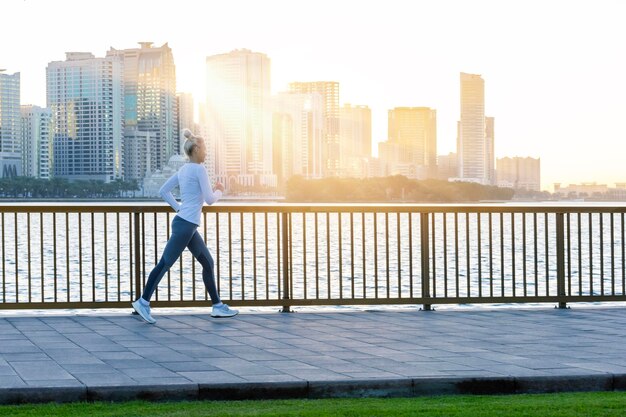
[(218, 186)]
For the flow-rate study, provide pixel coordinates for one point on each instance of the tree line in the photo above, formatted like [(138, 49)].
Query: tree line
[(396, 188), (16, 187)]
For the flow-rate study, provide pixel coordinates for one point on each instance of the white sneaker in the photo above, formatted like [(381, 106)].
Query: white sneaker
[(143, 311), (223, 311)]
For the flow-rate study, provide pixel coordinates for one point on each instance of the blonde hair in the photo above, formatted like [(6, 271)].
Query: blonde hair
[(191, 142)]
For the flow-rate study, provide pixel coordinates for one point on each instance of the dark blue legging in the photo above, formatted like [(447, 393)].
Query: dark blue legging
[(184, 235)]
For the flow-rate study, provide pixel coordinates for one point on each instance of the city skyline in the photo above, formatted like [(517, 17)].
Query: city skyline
[(553, 78)]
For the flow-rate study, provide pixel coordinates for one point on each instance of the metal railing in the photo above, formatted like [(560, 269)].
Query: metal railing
[(99, 255)]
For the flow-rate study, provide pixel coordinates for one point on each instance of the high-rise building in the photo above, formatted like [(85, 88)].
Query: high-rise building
[(36, 141), (447, 166), (85, 96), (137, 157), (414, 131), (186, 117), (10, 131), (239, 117), (330, 96), (520, 173), (297, 130), (490, 158), (474, 148), (150, 105), (390, 159), (355, 126), (209, 140)]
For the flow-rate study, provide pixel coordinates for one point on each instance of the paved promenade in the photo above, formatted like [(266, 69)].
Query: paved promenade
[(104, 356)]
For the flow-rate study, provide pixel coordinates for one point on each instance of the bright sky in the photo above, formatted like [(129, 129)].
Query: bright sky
[(554, 70)]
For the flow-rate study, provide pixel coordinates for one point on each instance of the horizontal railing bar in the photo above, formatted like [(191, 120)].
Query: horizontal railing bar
[(305, 208), (314, 302)]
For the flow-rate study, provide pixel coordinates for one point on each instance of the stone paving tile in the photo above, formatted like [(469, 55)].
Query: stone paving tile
[(101, 368), (350, 354), (153, 372), (40, 370), (378, 374), (169, 382), (472, 361), (292, 353), (252, 353), (54, 383), (109, 379), (272, 378), (598, 366), (11, 336), (130, 363), (11, 381), (316, 374), (347, 367), (443, 366), (6, 370), (288, 364), (208, 377), (188, 366), (241, 367), (116, 355), (161, 354), (22, 357), (18, 346), (477, 373), (82, 359), (206, 352), (262, 342)]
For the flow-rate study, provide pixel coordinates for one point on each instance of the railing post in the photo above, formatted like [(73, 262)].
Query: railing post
[(560, 259), (137, 248), (285, 255), (425, 251)]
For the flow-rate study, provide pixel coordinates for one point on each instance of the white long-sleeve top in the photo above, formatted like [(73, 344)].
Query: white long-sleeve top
[(195, 190)]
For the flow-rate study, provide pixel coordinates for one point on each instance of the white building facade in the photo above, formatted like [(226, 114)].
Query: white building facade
[(474, 148), (10, 130), (522, 173), (37, 133)]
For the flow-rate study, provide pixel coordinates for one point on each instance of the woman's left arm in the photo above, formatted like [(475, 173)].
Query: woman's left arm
[(166, 192)]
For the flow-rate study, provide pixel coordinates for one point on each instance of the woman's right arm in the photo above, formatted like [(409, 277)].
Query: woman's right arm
[(208, 195), (166, 192)]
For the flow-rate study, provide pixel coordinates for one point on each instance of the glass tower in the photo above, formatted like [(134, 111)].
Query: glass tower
[(150, 107), (85, 95)]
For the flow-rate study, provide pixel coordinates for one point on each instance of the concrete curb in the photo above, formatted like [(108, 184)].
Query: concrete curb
[(361, 388), (28, 395), (408, 387), (463, 386), (569, 383), (175, 392), (253, 390)]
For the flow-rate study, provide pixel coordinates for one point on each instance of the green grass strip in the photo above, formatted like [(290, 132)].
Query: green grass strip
[(604, 404)]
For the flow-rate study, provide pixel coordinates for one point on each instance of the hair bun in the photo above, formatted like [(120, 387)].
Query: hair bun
[(187, 133)]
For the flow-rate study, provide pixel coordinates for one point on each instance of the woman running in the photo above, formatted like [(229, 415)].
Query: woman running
[(195, 190)]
